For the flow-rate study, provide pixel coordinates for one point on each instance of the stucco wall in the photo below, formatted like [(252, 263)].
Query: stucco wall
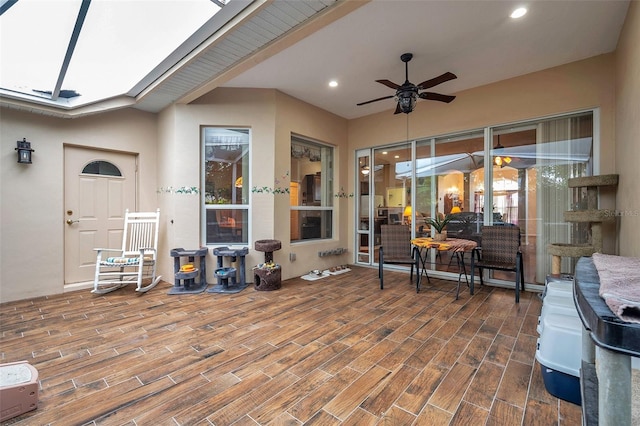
[(627, 151), (572, 87), (180, 161), (300, 118), (272, 117), (32, 213)]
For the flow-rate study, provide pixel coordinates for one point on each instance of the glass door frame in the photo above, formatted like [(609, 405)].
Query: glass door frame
[(363, 218), (488, 149)]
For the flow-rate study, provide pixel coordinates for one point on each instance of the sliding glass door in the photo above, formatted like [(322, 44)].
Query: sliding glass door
[(513, 175)]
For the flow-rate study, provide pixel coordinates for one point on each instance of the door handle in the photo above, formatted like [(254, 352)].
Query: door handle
[(71, 222)]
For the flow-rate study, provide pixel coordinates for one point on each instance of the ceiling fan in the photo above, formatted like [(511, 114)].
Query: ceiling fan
[(407, 94)]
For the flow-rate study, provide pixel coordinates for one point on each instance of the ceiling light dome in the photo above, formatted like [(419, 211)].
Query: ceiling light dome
[(519, 12)]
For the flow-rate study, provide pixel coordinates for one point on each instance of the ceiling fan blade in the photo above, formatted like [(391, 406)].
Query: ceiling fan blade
[(436, 97), (398, 109), (437, 80), (375, 100), (388, 83)]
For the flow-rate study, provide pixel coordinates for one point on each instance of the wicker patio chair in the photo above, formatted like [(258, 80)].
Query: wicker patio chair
[(500, 250), (396, 249)]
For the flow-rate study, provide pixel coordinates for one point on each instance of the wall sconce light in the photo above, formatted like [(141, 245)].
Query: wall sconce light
[(24, 151)]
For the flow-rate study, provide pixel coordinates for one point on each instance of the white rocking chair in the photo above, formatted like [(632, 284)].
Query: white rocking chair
[(135, 261)]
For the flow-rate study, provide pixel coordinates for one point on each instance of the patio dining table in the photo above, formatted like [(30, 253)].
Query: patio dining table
[(457, 246)]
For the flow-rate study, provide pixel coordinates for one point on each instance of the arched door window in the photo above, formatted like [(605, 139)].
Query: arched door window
[(101, 167)]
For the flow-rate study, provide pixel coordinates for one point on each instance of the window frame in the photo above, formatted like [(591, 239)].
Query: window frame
[(244, 207), (327, 179)]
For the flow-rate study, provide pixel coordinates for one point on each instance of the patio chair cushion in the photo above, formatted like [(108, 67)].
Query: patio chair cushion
[(124, 261)]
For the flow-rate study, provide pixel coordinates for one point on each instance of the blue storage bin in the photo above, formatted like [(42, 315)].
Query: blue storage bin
[(561, 385), (559, 352)]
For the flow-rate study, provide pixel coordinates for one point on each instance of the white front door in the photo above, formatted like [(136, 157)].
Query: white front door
[(99, 186)]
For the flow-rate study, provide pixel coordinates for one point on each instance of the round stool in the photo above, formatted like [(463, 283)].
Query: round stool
[(267, 279), (268, 247)]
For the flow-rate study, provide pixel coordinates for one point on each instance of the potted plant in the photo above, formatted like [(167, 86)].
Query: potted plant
[(439, 223)]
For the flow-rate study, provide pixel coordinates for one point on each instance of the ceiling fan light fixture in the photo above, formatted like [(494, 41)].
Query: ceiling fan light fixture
[(500, 160), (365, 168), (407, 101)]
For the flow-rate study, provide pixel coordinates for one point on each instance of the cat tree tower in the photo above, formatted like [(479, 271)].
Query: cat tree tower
[(592, 215)]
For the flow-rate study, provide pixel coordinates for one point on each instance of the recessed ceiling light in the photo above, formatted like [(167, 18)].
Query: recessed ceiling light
[(384, 152), (519, 12), (333, 83)]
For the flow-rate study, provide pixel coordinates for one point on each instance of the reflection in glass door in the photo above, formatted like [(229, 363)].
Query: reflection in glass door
[(391, 189), (564, 150), (364, 242), (393, 183), (445, 170), (384, 195), (512, 175)]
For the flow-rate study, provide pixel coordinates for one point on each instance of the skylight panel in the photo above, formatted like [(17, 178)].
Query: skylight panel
[(121, 41), (33, 41)]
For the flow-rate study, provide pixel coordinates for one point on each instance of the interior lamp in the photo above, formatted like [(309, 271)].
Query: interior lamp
[(500, 160), (407, 211), (455, 210), (239, 182), (24, 151)]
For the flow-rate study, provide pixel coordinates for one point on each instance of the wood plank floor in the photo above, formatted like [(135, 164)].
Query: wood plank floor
[(327, 352)]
